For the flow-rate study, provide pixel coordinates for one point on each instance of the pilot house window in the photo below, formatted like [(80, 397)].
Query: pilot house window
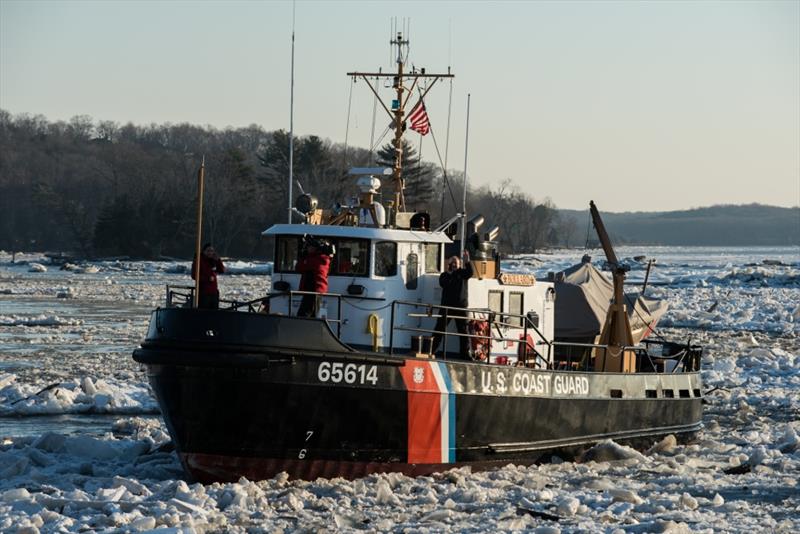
[(385, 258), (351, 258), (496, 304), (287, 250), (432, 257), (515, 307)]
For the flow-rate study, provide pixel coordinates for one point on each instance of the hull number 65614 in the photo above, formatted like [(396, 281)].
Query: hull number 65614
[(350, 373)]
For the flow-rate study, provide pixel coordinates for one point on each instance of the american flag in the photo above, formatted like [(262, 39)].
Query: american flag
[(419, 119)]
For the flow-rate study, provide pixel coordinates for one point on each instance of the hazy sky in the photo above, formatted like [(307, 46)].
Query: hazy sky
[(637, 105)]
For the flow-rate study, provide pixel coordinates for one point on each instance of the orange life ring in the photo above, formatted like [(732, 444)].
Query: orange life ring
[(481, 340)]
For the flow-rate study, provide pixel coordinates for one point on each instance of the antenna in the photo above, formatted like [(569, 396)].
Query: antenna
[(464, 220), (450, 42), (407, 33), (392, 32), (449, 114), (291, 124), (450, 101)]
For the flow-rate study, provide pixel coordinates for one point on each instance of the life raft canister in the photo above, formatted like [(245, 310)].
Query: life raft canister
[(481, 340)]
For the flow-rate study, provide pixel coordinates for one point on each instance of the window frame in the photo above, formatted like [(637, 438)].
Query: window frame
[(276, 264), (438, 246), (516, 322), (412, 284), (498, 313), (335, 261), (376, 248), (277, 267)]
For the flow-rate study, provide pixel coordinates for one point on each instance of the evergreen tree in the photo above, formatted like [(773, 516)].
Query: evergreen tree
[(418, 176)]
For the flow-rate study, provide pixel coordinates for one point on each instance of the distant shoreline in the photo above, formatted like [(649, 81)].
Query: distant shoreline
[(721, 226)]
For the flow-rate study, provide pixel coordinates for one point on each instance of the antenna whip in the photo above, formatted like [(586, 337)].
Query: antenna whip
[(291, 124), (464, 204)]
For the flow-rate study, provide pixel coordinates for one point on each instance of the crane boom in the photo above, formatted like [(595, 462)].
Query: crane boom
[(616, 333), (605, 241)]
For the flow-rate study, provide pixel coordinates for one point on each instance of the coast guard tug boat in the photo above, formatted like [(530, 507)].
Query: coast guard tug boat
[(253, 390)]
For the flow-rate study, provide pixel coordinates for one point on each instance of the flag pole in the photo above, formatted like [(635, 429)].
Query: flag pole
[(464, 203), (291, 126), (198, 242)]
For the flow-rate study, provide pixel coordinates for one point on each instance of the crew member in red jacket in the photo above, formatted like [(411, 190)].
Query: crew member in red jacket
[(210, 267), (314, 267)]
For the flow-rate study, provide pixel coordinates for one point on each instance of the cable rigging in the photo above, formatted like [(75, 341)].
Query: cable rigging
[(347, 129)]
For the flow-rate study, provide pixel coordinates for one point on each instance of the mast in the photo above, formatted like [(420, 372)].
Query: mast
[(397, 170), (398, 109)]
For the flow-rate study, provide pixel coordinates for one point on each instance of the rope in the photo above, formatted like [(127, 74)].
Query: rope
[(372, 134), (439, 155), (372, 148), (347, 130), (633, 307), (446, 182), (419, 167)]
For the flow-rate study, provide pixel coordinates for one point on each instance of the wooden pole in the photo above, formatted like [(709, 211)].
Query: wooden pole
[(647, 275), (397, 175), (198, 242)]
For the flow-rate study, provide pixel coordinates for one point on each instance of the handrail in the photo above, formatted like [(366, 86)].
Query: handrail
[(338, 295), (479, 310), (686, 357), (464, 314), (682, 358)]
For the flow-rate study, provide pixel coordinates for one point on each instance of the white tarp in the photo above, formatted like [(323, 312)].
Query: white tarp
[(583, 295)]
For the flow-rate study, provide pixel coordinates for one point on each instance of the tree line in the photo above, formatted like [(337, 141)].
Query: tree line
[(104, 189)]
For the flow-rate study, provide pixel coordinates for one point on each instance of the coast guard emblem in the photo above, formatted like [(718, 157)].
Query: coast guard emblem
[(419, 375)]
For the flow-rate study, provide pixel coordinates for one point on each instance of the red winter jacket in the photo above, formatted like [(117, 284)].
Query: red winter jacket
[(209, 268), (314, 267)]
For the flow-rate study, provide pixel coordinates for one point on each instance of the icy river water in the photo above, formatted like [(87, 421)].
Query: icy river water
[(83, 448)]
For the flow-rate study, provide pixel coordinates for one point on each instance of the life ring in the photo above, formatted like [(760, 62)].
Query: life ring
[(480, 340)]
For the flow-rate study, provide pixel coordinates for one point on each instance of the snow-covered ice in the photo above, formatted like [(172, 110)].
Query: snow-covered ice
[(66, 336)]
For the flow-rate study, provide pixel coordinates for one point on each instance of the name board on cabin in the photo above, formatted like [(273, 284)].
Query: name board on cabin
[(517, 279)]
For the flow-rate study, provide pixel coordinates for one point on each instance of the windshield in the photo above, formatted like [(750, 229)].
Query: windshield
[(351, 257)]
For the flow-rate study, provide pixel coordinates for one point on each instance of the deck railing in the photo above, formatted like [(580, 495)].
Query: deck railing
[(651, 356), (182, 297), (495, 320)]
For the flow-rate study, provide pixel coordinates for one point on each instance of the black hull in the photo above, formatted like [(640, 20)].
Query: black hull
[(208, 468), (260, 410)]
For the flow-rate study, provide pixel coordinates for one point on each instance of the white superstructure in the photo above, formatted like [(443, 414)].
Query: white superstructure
[(381, 277)]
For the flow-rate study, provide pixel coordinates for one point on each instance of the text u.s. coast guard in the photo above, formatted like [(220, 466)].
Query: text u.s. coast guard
[(528, 383)]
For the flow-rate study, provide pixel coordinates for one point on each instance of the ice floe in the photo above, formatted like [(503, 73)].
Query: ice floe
[(70, 355)]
